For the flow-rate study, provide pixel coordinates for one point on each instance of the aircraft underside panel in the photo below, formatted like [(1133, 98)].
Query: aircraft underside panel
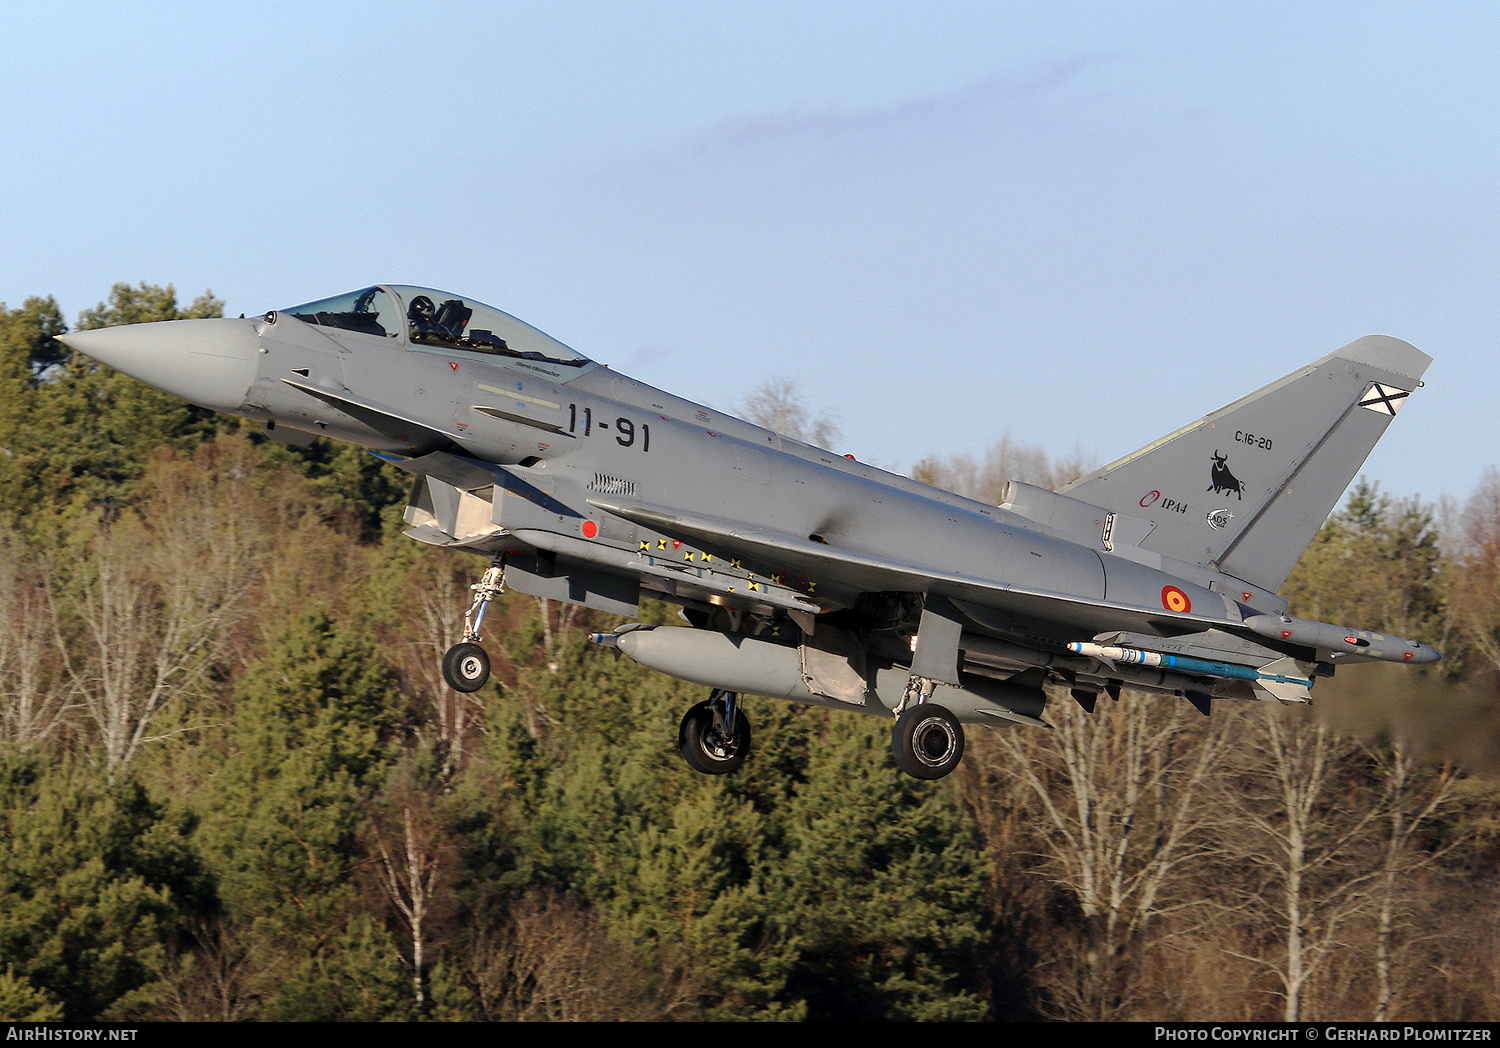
[(574, 582), (834, 665), (748, 665)]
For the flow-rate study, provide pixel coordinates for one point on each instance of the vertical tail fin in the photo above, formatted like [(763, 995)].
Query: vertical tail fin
[(1246, 488)]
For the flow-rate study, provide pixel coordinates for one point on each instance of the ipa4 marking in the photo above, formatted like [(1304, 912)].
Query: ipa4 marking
[(1151, 498)]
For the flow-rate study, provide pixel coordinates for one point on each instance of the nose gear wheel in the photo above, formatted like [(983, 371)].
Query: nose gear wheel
[(714, 737), (466, 667)]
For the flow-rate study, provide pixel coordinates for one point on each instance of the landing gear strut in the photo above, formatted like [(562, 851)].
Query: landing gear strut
[(928, 741), (466, 666), (714, 737)]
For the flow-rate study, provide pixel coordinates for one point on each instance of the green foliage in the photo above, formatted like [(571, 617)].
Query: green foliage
[(894, 939), (112, 423), (323, 690), (28, 347), (311, 727), (348, 480), (1377, 565), (88, 429), (28, 340), (95, 879), (20, 1002), (145, 304), (312, 738), (823, 886), (356, 975)]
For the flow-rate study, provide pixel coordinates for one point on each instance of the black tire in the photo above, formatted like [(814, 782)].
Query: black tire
[(466, 667), (705, 748), (927, 741)]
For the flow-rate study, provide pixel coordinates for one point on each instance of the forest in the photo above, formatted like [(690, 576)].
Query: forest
[(234, 786)]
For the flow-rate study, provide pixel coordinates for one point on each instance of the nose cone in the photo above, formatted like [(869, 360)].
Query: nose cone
[(210, 363), (1421, 653)]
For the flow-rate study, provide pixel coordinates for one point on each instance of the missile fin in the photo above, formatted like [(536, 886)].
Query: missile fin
[(1282, 691)]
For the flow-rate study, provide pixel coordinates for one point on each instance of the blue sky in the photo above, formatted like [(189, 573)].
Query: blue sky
[(1082, 224)]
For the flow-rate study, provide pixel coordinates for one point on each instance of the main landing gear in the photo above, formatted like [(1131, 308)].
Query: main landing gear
[(466, 666), (927, 741), (714, 737)]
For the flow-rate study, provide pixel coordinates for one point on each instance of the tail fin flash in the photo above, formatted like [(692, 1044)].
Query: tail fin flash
[(1246, 488)]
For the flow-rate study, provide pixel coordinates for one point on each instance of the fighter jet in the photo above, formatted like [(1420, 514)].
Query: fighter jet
[(802, 574)]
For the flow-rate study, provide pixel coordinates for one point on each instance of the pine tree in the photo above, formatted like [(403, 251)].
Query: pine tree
[(897, 935), (111, 421), (1376, 564), (311, 741), (96, 881)]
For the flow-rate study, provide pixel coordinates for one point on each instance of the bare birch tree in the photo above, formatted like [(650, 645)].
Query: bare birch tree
[(1006, 459), (411, 867), (155, 593), (33, 688), (424, 601), (1119, 792), (777, 405), (1410, 800), (443, 616), (553, 961), (1304, 842)]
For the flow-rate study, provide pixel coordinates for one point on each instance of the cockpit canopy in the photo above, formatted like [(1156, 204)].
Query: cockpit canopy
[(423, 317)]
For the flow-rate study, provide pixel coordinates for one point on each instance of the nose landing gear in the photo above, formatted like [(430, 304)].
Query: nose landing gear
[(714, 737), (466, 666)]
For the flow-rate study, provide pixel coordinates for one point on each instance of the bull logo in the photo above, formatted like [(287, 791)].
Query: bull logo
[(1224, 481)]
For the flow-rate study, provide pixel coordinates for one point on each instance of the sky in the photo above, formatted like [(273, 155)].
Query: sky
[(1079, 224)]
